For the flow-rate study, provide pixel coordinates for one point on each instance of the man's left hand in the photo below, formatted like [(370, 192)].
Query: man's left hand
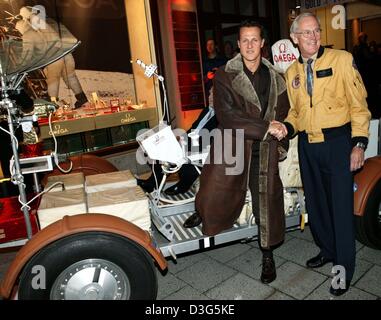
[(357, 158)]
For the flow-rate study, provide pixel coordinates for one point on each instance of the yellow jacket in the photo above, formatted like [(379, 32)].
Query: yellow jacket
[(339, 96)]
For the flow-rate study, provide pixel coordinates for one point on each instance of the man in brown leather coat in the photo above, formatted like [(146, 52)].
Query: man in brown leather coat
[(248, 95)]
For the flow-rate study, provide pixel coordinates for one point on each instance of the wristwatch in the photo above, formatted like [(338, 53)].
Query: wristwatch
[(360, 145)]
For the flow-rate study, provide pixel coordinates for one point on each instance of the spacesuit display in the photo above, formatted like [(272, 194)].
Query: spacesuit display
[(39, 40)]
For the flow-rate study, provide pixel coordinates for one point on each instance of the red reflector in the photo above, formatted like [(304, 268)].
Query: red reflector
[(12, 223)]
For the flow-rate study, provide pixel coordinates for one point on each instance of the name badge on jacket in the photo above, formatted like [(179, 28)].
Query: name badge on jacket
[(324, 73)]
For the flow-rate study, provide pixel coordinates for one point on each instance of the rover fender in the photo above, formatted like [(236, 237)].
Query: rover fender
[(78, 224), (365, 180)]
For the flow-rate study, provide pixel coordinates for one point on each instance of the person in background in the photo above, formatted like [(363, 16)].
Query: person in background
[(211, 63), (329, 112), (228, 50), (365, 59)]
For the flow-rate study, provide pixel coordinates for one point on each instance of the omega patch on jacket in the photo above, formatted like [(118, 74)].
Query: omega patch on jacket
[(296, 82), (324, 73)]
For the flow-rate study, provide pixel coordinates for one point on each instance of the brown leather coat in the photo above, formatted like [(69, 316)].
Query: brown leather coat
[(222, 192)]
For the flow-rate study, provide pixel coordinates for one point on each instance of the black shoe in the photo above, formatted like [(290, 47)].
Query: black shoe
[(318, 261), (146, 185), (180, 187), (193, 221), (268, 270), (339, 291)]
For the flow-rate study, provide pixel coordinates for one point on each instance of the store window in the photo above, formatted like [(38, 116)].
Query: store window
[(93, 86), (102, 60)]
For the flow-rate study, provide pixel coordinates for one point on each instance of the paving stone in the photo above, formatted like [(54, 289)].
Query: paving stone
[(307, 235), (371, 281), (304, 235), (254, 243), (370, 255), (240, 287), (206, 274), (297, 251), (6, 258), (187, 293), (296, 281), (279, 296), (185, 261), (168, 284), (250, 263), (228, 252), (359, 246), (322, 293)]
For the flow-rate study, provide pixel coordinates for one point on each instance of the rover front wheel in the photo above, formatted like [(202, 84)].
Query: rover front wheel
[(90, 266)]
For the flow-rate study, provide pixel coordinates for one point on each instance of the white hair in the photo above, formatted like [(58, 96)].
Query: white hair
[(295, 24)]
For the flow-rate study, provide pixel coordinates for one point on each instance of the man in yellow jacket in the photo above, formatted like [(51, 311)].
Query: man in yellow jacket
[(330, 114)]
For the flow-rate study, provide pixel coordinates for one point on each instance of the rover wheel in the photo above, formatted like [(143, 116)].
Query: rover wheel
[(368, 227), (90, 266)]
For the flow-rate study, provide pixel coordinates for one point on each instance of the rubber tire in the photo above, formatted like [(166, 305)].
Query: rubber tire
[(126, 254), (368, 226)]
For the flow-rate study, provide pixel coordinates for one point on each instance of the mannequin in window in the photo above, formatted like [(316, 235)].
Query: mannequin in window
[(40, 40)]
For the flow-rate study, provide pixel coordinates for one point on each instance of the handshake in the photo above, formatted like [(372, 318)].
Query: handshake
[(277, 129)]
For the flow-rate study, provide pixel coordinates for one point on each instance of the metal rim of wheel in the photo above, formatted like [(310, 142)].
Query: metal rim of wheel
[(91, 279)]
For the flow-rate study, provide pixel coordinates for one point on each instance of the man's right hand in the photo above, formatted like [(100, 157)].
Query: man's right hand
[(277, 129)]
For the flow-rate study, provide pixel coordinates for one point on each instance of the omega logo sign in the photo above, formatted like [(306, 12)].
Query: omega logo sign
[(128, 119), (283, 56), (58, 130)]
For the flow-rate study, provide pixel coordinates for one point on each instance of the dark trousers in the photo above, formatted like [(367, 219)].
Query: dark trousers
[(328, 188)]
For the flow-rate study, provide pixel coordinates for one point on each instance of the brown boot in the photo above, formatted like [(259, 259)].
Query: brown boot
[(268, 270)]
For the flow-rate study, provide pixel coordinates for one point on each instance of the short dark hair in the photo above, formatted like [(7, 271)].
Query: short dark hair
[(251, 24)]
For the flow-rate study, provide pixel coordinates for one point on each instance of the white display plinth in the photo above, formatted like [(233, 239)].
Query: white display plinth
[(55, 205), (128, 203), (111, 180), (70, 181)]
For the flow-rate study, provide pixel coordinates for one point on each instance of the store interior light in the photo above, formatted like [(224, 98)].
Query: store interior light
[(298, 6)]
